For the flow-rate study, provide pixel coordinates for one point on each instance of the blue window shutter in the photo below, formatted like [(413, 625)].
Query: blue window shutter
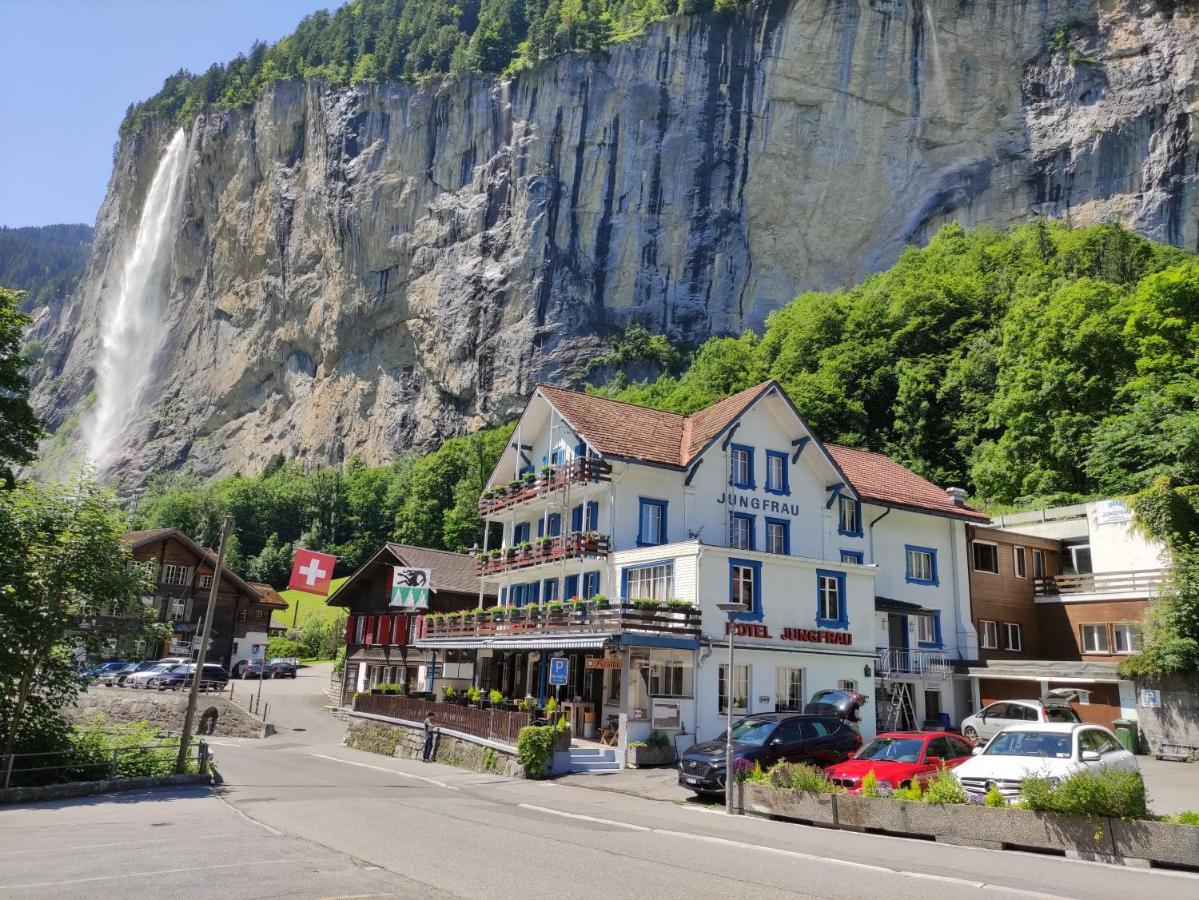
[(580, 449), (550, 590), (503, 595), (590, 584), (555, 524), (532, 592), (592, 515), (576, 518), (541, 527), (571, 586)]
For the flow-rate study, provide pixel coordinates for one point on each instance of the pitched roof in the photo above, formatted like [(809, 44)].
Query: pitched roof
[(135, 539), (882, 480), (270, 596), (148, 536), (451, 571)]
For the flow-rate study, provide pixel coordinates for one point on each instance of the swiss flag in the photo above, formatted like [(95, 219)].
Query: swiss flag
[(311, 572)]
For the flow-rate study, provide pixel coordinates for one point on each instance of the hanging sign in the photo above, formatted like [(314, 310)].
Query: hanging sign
[(312, 572), (410, 588)]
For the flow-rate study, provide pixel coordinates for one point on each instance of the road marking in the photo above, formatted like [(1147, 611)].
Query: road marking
[(188, 838), (349, 762), (259, 862), (566, 815)]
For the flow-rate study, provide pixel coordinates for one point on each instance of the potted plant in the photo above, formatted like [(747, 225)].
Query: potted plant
[(656, 750), (562, 736), (526, 549), (495, 699)]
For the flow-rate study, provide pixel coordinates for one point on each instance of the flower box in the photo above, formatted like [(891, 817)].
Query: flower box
[(801, 806), (1161, 842), (641, 757)]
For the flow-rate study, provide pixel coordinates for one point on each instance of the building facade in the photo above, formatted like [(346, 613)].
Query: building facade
[(624, 529)]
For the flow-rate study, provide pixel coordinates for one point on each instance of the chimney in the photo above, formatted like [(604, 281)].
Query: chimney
[(957, 495)]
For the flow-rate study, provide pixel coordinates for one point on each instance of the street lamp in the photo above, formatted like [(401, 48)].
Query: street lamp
[(732, 610)]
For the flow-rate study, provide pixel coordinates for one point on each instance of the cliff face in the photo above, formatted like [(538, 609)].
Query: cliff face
[(376, 268)]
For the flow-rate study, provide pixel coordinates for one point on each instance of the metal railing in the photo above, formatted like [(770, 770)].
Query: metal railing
[(492, 724), (575, 545), (583, 470), (612, 617), (1147, 580), (895, 661), (99, 764)]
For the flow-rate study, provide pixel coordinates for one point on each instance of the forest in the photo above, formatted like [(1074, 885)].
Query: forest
[(45, 262), (1040, 365)]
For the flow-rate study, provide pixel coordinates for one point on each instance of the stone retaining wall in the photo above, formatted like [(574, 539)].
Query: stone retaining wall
[(407, 741), (89, 788), (1176, 721), (165, 710)]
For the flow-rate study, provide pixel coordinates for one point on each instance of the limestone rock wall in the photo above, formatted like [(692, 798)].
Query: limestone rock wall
[(376, 268)]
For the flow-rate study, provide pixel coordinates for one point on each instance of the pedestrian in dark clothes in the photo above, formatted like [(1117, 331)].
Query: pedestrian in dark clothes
[(430, 730)]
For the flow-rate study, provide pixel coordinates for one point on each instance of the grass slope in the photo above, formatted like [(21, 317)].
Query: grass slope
[(310, 606)]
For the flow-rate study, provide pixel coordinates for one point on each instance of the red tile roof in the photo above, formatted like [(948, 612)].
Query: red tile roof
[(649, 435), (880, 479)]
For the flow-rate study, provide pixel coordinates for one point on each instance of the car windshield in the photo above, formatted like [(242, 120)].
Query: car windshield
[(1060, 714), (1043, 744), (753, 732), (892, 750)]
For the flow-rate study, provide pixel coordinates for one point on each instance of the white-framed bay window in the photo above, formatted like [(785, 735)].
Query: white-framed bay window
[(652, 582)]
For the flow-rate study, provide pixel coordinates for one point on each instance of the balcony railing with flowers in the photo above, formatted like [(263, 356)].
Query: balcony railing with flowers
[(583, 470), (680, 618), (576, 545)]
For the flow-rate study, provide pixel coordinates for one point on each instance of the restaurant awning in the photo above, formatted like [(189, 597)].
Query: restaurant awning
[(532, 642)]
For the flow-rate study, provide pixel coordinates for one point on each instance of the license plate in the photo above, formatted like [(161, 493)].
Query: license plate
[(692, 780)]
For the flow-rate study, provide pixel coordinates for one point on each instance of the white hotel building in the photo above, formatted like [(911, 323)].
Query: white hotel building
[(852, 569)]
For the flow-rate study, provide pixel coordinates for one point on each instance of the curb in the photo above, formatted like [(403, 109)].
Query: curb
[(92, 788)]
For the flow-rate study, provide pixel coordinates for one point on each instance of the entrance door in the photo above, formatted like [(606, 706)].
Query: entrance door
[(897, 631)]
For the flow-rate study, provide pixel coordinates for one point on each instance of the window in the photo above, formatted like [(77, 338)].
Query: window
[(1013, 640), (1038, 563), (177, 575), (985, 556), (847, 684), (585, 516), (1080, 558), (670, 673), (741, 465), (520, 533), (789, 690), (830, 599), (178, 610), (988, 634), (921, 565), (549, 590), (1097, 742), (926, 629), (241, 615), (1126, 636), (570, 587), (849, 517), (740, 688), (743, 583), (654, 582), (853, 557), (205, 581), (1094, 638), (590, 584), (1019, 562), (778, 536), (360, 630), (741, 531), (776, 473), (651, 523), (553, 524)]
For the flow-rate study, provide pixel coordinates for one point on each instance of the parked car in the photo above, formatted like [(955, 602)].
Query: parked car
[(253, 669), (900, 758), (281, 668), (1053, 750), (141, 679), (238, 669), (98, 672), (994, 718), (766, 739), (117, 677), (175, 660), (214, 677)]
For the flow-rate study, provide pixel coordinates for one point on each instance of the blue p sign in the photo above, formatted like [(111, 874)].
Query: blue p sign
[(559, 670)]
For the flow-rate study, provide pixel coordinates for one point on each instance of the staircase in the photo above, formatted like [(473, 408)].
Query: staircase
[(594, 759)]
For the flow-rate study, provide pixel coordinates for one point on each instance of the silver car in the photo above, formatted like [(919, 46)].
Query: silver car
[(141, 679), (993, 718)]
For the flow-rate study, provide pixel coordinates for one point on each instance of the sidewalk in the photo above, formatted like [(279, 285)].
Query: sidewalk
[(652, 784)]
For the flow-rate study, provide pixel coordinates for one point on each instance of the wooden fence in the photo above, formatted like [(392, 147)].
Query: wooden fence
[(492, 724)]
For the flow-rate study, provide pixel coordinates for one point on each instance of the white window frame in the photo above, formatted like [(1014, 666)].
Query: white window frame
[(1095, 629), (175, 575), (988, 637), (926, 625), (919, 564), (655, 582), (974, 558), (790, 696), (670, 673), (205, 581), (830, 599), (1016, 646), (847, 512), (775, 483), (741, 466), (1128, 631), (651, 514), (1038, 562), (741, 531), (741, 684), (1020, 562), (360, 630), (178, 610), (847, 684), (781, 529), (1074, 548), (743, 579)]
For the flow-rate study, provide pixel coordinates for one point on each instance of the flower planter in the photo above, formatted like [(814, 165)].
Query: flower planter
[(1160, 842), (798, 805), (641, 757)]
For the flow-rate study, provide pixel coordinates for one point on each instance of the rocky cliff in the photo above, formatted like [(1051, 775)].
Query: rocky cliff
[(371, 269)]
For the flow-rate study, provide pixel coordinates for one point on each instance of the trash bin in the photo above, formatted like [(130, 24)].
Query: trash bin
[(1126, 734)]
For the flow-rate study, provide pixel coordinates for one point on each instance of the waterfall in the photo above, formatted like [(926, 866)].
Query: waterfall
[(133, 319)]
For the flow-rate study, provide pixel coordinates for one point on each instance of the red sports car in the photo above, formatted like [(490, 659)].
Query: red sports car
[(900, 758)]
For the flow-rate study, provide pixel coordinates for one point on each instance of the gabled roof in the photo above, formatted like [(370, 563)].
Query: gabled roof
[(454, 572), (880, 479), (135, 539), (269, 596)]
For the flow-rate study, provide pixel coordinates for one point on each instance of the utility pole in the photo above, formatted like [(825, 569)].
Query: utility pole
[(731, 610), (193, 695)]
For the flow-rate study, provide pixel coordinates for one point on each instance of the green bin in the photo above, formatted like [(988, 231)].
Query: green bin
[(1126, 734)]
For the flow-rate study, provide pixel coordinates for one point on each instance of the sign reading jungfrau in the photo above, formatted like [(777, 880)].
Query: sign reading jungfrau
[(410, 588)]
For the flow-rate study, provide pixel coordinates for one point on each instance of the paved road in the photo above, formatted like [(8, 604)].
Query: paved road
[(300, 815)]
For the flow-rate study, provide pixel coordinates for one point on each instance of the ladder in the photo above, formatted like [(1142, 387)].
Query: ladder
[(900, 710)]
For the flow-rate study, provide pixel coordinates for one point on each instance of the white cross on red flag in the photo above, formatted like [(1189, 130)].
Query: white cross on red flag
[(312, 572)]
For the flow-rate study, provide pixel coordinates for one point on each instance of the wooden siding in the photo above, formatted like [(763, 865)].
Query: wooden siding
[(1004, 597), (1059, 625)]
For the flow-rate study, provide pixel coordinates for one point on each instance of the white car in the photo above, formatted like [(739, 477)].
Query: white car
[(140, 679), (1053, 750), (995, 717)]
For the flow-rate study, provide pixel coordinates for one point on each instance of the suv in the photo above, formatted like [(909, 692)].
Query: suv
[(214, 678), (767, 738), (992, 719)]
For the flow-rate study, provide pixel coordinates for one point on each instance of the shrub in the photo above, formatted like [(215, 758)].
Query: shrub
[(1182, 818), (658, 739), (800, 777), (495, 697), (914, 791), (534, 746), (138, 749), (551, 705), (1110, 793), (994, 799), (281, 646), (944, 789), (870, 786), (743, 770), (390, 687)]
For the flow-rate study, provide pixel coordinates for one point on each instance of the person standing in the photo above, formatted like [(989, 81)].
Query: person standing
[(430, 730)]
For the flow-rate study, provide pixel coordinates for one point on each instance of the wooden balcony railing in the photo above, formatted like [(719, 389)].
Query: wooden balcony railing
[(1146, 580), (895, 661), (492, 724), (609, 617), (568, 546), (582, 470)]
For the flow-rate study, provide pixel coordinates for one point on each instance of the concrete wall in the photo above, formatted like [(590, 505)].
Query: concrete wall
[(407, 742), (165, 710), (1177, 719)]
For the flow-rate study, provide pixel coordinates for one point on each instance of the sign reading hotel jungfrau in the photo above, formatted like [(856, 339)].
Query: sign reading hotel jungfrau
[(410, 587), (312, 572)]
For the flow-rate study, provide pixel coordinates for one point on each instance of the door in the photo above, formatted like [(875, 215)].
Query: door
[(820, 745), (897, 640), (788, 742), (994, 719)]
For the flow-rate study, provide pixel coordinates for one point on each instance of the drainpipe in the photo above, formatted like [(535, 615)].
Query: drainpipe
[(886, 513)]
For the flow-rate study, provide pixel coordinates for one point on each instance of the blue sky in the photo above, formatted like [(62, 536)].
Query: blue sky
[(70, 68)]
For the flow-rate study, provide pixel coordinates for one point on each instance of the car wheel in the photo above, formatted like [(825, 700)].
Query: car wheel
[(970, 733), (293, 674)]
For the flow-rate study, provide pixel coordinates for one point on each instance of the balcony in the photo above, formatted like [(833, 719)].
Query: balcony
[(893, 662), (1145, 582), (583, 470), (607, 617), (577, 545)]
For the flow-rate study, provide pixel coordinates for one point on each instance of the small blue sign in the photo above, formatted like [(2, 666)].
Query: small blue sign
[(559, 670)]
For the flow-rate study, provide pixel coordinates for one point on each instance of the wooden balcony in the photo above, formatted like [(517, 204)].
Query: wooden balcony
[(577, 545), (1145, 581), (583, 470), (893, 662), (677, 619)]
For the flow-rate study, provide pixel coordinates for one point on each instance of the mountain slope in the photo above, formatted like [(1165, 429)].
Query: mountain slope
[(47, 262)]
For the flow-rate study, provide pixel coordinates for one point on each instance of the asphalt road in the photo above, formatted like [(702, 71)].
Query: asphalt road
[(299, 815)]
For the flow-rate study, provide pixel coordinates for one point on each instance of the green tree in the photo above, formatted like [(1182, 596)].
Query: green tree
[(19, 427)]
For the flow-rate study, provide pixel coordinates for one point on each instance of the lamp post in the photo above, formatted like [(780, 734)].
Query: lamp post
[(731, 610)]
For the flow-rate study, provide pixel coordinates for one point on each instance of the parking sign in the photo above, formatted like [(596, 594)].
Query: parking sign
[(559, 670)]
